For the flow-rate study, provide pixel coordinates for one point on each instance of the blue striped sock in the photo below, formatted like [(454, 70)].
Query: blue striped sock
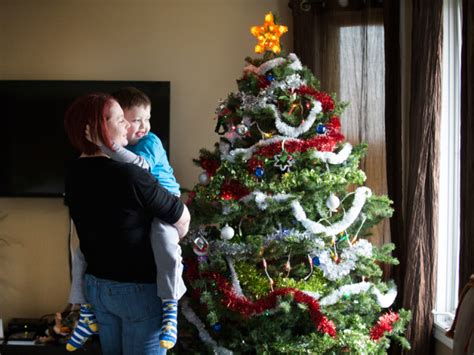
[(169, 325), (85, 327)]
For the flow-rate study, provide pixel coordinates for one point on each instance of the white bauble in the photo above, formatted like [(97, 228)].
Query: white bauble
[(333, 202), (204, 178), (227, 232)]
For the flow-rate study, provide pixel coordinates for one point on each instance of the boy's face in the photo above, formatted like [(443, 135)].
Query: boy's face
[(139, 119)]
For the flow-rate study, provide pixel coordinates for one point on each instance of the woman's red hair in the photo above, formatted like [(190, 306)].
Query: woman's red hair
[(92, 110)]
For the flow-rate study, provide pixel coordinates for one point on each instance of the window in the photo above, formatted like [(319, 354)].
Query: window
[(350, 61), (449, 197)]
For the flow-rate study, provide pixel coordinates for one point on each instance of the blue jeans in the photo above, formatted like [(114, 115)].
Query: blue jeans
[(129, 316)]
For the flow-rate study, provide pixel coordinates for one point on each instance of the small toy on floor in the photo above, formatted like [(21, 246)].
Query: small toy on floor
[(61, 329)]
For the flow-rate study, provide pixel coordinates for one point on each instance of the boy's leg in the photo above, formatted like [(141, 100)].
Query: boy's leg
[(167, 252), (87, 323), (79, 265)]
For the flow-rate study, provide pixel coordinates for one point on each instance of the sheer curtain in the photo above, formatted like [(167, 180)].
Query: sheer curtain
[(466, 266), (348, 58)]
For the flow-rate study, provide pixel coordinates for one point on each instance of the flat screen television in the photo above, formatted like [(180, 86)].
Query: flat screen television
[(34, 149)]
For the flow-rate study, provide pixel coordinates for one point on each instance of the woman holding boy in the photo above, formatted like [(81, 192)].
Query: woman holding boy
[(112, 205)]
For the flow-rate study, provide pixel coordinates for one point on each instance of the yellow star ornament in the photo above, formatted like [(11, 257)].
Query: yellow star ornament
[(268, 35)]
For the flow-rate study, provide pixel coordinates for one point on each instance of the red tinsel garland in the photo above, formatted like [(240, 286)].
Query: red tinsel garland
[(263, 82), (326, 100), (334, 124), (384, 324), (248, 308), (323, 143), (253, 164), (209, 165), (233, 190)]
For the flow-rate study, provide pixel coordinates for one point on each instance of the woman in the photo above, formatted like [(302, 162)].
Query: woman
[(112, 205)]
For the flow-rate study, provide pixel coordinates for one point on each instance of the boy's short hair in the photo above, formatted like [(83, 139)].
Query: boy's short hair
[(89, 110), (131, 97)]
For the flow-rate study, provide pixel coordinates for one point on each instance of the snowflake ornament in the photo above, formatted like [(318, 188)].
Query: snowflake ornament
[(283, 161)]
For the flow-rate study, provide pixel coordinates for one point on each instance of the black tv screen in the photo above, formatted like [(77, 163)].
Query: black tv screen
[(34, 149)]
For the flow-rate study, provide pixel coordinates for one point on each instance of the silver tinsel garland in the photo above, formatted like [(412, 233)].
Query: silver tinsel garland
[(192, 318), (384, 300), (333, 270)]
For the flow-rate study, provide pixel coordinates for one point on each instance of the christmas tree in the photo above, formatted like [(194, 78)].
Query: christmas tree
[(282, 260)]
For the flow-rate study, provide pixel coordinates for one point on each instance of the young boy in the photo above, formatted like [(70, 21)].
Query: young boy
[(145, 150)]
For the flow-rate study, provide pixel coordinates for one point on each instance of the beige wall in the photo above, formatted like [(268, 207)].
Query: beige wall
[(198, 45)]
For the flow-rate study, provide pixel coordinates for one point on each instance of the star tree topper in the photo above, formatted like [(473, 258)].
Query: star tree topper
[(268, 35)]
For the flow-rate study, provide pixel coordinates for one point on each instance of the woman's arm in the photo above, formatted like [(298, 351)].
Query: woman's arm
[(159, 201)]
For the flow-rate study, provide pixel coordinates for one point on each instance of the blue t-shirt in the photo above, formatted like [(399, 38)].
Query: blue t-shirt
[(151, 148)]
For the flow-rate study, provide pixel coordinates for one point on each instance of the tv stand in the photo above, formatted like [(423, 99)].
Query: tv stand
[(91, 348)]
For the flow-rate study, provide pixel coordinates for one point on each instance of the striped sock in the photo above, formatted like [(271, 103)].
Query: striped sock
[(85, 327), (169, 325)]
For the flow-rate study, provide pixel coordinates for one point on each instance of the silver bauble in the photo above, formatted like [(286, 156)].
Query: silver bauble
[(242, 129), (204, 178)]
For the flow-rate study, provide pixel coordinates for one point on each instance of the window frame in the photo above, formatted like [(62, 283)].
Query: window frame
[(449, 184)]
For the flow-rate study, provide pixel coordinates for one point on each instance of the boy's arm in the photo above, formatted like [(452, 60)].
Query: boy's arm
[(117, 152), (151, 149), (154, 153), (123, 155)]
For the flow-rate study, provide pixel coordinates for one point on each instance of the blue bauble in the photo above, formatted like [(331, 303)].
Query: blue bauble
[(259, 172), (316, 261), (270, 77), (217, 327), (321, 129)]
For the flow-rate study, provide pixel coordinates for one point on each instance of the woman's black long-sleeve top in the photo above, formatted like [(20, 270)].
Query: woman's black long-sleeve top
[(112, 205)]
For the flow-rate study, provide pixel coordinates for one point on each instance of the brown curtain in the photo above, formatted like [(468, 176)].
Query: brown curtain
[(412, 158), (466, 265), (394, 135), (423, 172), (304, 34)]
